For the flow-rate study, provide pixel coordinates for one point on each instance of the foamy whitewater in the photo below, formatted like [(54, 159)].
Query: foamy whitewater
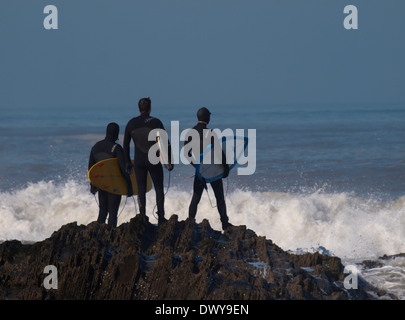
[(348, 227), (351, 228)]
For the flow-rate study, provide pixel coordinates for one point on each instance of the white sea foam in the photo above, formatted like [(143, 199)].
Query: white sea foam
[(339, 224), (389, 275), (34, 212)]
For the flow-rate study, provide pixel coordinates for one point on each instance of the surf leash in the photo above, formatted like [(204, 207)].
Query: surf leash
[(209, 198), (126, 198), (225, 194), (95, 198), (135, 206)]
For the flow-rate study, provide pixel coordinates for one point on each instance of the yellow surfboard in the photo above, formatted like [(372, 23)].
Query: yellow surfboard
[(106, 175)]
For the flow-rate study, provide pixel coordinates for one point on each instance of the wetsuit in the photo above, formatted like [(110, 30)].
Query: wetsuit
[(105, 149), (217, 185), (138, 130)]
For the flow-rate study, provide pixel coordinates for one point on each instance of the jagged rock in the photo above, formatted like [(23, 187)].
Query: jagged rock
[(177, 260)]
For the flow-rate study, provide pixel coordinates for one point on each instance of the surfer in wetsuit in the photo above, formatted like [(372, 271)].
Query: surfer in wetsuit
[(106, 149), (204, 116), (138, 130)]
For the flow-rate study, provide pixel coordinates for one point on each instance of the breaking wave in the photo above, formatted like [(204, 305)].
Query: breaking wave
[(346, 226)]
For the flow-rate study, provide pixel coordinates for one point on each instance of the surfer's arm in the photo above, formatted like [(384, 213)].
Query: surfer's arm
[(189, 153), (169, 147), (226, 166), (92, 162), (223, 156), (171, 165), (126, 145), (123, 168)]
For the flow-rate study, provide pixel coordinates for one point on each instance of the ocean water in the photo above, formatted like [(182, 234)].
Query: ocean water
[(328, 178)]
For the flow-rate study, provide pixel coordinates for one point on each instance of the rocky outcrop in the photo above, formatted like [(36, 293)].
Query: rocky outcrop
[(177, 260)]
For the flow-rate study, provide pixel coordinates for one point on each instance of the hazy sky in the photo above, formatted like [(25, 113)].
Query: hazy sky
[(215, 52)]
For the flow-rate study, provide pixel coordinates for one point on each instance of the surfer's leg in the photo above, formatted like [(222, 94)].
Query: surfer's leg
[(103, 206), (218, 188), (198, 189), (156, 173), (113, 206), (141, 174)]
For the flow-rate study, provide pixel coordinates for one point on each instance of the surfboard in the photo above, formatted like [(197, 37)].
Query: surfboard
[(164, 151), (106, 175), (210, 167)]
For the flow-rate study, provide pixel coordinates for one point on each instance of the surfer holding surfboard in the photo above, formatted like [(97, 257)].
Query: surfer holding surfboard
[(109, 201), (200, 183), (138, 130)]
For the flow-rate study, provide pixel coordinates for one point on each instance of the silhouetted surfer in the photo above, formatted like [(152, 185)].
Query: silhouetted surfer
[(204, 116), (106, 149), (138, 130)]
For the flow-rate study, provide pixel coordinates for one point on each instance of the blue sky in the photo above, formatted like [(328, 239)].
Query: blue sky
[(182, 52)]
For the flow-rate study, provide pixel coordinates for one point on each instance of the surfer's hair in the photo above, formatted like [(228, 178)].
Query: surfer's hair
[(144, 105)]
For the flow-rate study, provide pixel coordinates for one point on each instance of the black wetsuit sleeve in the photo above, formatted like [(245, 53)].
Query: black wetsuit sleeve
[(170, 155), (169, 147), (92, 162), (223, 158), (159, 125), (189, 154), (122, 163), (226, 166), (127, 141)]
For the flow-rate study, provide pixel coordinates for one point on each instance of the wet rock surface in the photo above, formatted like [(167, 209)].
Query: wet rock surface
[(177, 260)]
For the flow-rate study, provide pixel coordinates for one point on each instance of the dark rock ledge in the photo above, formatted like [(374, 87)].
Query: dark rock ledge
[(178, 260)]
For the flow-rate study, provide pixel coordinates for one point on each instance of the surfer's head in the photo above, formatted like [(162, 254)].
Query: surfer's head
[(145, 105), (113, 130), (203, 115)]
